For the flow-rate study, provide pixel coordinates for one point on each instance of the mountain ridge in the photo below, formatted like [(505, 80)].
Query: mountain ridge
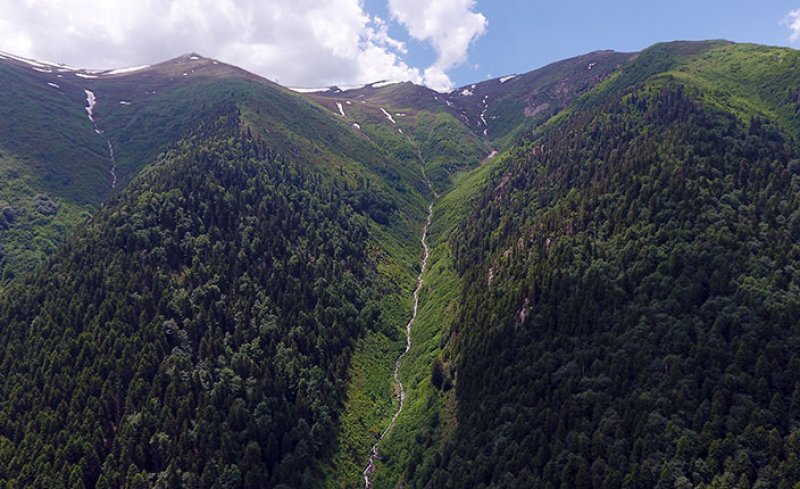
[(608, 293)]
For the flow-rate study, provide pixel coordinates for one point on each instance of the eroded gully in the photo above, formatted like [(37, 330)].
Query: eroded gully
[(374, 456), (91, 101)]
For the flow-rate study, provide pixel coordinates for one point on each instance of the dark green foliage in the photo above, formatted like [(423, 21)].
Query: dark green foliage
[(196, 333), (640, 327)]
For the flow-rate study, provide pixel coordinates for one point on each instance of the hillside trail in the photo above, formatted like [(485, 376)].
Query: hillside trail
[(374, 452), (91, 102)]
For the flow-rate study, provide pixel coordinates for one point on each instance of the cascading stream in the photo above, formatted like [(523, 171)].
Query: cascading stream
[(91, 101), (374, 453)]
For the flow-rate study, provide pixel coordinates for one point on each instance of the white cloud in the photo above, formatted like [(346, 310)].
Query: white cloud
[(792, 21), (295, 42), (450, 26)]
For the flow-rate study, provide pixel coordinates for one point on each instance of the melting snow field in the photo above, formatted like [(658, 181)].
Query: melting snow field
[(385, 83), (84, 75), (91, 101), (341, 109), (506, 78), (121, 71), (54, 85), (483, 115), (388, 116), (308, 90)]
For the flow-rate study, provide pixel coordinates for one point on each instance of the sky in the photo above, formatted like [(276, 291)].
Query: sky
[(314, 43)]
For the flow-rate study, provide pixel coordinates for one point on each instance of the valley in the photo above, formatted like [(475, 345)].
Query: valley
[(584, 276)]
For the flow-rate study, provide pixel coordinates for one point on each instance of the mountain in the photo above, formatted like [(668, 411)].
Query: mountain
[(583, 276), (629, 293)]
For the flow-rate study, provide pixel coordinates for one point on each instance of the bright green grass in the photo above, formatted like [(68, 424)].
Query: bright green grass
[(31, 236), (370, 395), (371, 399), (428, 417)]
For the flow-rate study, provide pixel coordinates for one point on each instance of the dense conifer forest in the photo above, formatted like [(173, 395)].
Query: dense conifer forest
[(635, 320), (610, 297), (197, 331)]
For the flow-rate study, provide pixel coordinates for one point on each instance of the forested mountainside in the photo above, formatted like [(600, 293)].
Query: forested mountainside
[(197, 331), (610, 295), (630, 308)]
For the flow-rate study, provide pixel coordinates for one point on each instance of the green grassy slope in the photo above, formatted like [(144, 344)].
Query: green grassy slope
[(444, 147), (33, 223), (48, 129)]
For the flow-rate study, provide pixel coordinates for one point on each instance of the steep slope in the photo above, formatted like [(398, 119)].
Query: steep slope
[(199, 329), (629, 293), (503, 108), (403, 112), (607, 296), (77, 159), (376, 178)]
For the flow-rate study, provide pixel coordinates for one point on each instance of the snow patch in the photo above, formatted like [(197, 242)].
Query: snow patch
[(91, 101), (401, 114), (350, 87), (388, 116), (341, 109), (308, 90), (483, 115), (349, 102), (466, 92), (37, 64), (27, 61), (121, 71), (385, 83), (194, 58), (124, 102), (54, 85), (84, 75), (506, 78), (357, 126)]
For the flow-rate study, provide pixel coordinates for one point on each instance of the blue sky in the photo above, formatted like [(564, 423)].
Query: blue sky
[(523, 35), (316, 43)]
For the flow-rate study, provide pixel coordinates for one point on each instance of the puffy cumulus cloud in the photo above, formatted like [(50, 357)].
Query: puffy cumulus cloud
[(450, 26), (295, 42), (792, 21)]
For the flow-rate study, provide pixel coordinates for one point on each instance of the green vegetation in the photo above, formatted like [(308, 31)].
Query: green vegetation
[(32, 223), (428, 417), (48, 129), (628, 305), (180, 345), (611, 301)]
